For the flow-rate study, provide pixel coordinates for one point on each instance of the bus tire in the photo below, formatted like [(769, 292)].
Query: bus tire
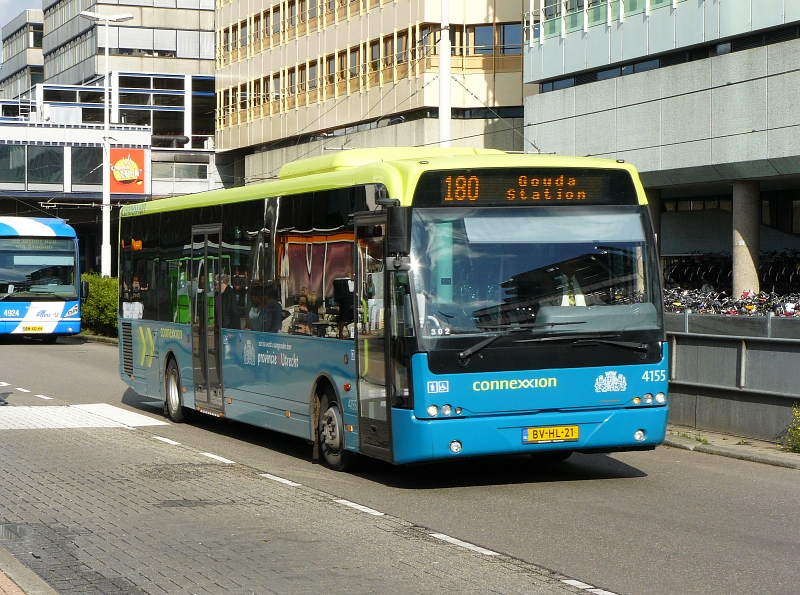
[(172, 392), (331, 433), (551, 456)]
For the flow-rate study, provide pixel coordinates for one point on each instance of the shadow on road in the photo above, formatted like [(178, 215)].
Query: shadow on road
[(478, 471)]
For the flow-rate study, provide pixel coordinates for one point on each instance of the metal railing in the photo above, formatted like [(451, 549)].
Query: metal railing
[(731, 374)]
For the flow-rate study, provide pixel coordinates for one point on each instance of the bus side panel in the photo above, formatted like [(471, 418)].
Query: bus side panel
[(171, 339), (498, 409), (150, 343), (269, 379)]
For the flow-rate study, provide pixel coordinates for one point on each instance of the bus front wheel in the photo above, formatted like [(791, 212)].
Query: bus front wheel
[(173, 396), (331, 433)]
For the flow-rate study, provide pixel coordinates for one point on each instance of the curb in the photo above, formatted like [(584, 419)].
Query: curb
[(751, 450), (98, 338), (26, 581)]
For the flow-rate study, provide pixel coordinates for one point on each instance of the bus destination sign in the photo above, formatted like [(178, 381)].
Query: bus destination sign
[(519, 187)]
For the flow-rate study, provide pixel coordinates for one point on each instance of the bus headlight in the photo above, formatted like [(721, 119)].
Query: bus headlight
[(648, 398), (455, 446), (639, 435), (447, 410), (433, 410), (661, 398)]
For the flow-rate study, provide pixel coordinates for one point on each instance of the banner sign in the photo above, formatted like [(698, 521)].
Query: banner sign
[(127, 171)]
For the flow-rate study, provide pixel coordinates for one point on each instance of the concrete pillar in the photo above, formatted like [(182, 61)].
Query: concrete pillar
[(746, 236), (654, 204)]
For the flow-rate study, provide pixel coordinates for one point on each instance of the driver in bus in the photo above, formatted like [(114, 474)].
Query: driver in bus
[(48, 278)]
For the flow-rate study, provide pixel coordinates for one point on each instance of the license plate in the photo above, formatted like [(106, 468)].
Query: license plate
[(33, 328), (550, 434)]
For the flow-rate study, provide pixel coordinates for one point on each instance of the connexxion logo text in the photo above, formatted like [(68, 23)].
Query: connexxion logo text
[(488, 385)]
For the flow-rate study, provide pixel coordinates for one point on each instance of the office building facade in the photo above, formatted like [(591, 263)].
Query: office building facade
[(23, 63), (699, 94), (297, 77)]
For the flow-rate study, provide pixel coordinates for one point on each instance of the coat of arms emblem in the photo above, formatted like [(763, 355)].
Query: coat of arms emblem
[(610, 382)]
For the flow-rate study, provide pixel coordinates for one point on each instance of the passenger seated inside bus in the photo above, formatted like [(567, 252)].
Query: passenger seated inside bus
[(266, 314)]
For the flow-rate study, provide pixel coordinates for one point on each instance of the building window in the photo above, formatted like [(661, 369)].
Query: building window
[(374, 55), (312, 75), (276, 20), (330, 69), (291, 81), (483, 43), (276, 87), (87, 165), (12, 164), (388, 51), (511, 38), (45, 165), (402, 47), (354, 53)]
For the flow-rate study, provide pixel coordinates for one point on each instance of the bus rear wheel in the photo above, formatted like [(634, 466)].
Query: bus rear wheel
[(173, 395), (331, 434)]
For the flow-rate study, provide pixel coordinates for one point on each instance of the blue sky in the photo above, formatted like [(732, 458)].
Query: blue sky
[(11, 8)]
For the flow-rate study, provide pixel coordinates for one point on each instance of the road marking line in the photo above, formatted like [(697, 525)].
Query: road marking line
[(464, 544), (360, 507), (4, 384), (167, 440), (218, 458), (586, 587), (280, 479), (46, 398), (122, 416), (22, 390)]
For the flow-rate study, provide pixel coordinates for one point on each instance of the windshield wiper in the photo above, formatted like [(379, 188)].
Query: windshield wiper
[(562, 337), (621, 344), (463, 356)]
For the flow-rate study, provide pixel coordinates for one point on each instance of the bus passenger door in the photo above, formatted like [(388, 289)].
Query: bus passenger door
[(374, 410), (205, 319)]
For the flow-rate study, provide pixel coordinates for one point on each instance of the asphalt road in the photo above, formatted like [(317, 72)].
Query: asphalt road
[(662, 522)]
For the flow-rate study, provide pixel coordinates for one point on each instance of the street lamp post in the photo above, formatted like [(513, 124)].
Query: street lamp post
[(105, 250)]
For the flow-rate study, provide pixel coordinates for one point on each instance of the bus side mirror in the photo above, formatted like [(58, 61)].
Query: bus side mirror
[(84, 291), (398, 231)]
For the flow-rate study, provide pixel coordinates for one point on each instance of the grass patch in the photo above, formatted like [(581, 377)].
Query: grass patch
[(791, 441)]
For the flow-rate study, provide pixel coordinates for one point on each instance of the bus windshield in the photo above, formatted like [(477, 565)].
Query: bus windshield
[(545, 270), (37, 269)]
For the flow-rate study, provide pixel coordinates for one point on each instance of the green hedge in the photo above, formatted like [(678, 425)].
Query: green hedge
[(99, 313)]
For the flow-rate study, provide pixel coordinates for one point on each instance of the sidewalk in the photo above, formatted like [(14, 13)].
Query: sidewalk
[(733, 447)]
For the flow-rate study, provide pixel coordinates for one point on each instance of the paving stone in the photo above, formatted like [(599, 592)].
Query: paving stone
[(110, 511)]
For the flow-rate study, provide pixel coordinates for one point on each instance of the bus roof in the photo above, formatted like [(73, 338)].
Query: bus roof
[(35, 227), (397, 168)]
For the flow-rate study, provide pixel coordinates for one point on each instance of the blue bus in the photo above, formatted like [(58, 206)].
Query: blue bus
[(40, 288), (408, 304)]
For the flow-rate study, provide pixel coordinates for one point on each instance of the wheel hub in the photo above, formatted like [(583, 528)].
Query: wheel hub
[(331, 429)]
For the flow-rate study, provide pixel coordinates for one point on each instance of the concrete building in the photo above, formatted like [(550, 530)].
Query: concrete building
[(51, 169), (164, 36), (161, 64), (22, 53), (297, 77), (701, 95)]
